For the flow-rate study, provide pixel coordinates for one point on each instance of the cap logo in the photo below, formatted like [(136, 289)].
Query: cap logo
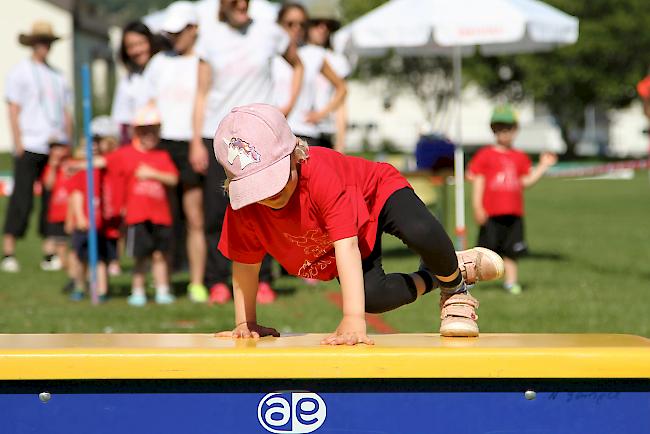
[(242, 149)]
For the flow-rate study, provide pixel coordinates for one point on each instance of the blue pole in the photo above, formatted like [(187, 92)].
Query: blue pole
[(90, 191)]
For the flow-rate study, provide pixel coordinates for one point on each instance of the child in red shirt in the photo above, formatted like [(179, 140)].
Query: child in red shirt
[(145, 172), (321, 215), (53, 181), (78, 188), (499, 175), (105, 133)]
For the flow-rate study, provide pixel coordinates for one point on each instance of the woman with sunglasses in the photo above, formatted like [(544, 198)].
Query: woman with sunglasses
[(138, 46), (306, 116), (324, 21)]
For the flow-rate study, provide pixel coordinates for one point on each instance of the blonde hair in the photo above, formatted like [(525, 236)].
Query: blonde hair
[(300, 154)]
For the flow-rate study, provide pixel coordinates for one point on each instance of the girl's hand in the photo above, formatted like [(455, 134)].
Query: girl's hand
[(480, 216), (82, 223), (351, 331), (144, 172), (313, 117), (198, 157), (249, 330), (548, 159), (285, 110)]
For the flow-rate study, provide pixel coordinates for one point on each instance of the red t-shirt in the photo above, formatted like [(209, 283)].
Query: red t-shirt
[(78, 183), (57, 207), (113, 186), (502, 170), (337, 197), (143, 199)]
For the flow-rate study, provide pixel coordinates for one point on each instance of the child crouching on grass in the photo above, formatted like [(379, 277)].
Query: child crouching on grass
[(321, 214)]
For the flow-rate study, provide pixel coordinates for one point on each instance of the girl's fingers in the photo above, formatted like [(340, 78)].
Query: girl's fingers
[(224, 334)]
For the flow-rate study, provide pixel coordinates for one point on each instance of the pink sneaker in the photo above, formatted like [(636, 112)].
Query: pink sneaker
[(265, 294), (219, 294)]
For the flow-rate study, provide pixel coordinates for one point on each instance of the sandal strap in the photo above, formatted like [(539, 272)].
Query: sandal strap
[(458, 310), (459, 305), (468, 268), (461, 298)]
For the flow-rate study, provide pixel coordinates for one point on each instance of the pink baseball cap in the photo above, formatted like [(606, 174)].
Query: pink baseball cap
[(254, 143)]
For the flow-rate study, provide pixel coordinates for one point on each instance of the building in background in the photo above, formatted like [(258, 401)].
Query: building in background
[(84, 39), (18, 19)]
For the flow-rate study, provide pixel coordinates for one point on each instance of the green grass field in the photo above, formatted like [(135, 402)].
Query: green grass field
[(589, 271)]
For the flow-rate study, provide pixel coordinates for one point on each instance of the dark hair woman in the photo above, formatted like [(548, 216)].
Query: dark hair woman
[(137, 48)]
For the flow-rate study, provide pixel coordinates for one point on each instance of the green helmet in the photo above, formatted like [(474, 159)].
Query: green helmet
[(504, 114)]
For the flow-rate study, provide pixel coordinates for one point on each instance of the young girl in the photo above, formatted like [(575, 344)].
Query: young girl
[(321, 215)]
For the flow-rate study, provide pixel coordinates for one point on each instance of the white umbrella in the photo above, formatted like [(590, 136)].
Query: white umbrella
[(457, 27)]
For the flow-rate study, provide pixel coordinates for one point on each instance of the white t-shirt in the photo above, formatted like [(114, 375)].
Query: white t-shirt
[(43, 96), (171, 80), (312, 58), (325, 90), (127, 96), (241, 66)]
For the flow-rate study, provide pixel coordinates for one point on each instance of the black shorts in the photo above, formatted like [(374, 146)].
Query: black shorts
[(142, 239), (56, 231), (111, 250), (179, 151), (505, 235), (106, 248)]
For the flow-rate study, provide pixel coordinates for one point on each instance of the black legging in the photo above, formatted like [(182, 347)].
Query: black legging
[(405, 216), (27, 169)]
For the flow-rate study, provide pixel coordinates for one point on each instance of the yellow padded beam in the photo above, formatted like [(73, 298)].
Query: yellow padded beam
[(202, 356)]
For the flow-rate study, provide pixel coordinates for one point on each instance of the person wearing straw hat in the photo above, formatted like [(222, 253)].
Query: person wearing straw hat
[(37, 98)]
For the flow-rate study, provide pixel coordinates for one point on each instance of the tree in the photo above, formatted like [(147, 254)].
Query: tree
[(601, 70)]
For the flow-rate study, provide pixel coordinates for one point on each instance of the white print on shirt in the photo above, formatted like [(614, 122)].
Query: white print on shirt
[(506, 179), (315, 244), (149, 188), (242, 149)]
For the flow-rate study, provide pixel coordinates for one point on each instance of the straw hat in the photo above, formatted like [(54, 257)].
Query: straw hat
[(41, 31), (325, 10)]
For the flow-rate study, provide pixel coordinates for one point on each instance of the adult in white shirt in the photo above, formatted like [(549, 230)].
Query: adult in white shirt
[(323, 22), (137, 48), (305, 117), (236, 55), (170, 80), (37, 98)]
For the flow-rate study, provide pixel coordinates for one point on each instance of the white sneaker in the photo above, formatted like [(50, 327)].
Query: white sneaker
[(10, 265), (53, 264)]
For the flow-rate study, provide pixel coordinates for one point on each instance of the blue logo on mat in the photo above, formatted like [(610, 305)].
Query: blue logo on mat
[(291, 412)]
